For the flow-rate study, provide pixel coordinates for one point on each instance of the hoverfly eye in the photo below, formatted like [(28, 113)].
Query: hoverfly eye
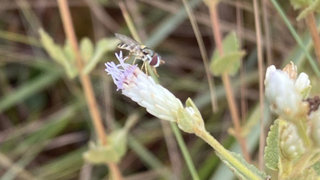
[(154, 60)]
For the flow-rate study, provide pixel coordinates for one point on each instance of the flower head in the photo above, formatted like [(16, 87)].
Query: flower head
[(284, 91), (143, 90)]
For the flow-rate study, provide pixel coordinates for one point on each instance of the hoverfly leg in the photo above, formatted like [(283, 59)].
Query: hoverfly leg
[(145, 67), (155, 71)]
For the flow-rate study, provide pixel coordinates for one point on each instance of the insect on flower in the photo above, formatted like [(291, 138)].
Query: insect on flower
[(139, 51)]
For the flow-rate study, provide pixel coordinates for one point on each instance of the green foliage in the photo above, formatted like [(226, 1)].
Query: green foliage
[(271, 154), (113, 151), (298, 4), (59, 54), (65, 56), (313, 6), (103, 46), (229, 62), (316, 167), (241, 173)]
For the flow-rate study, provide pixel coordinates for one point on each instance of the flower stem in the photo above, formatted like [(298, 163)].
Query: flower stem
[(85, 81), (203, 134), (311, 22), (185, 151)]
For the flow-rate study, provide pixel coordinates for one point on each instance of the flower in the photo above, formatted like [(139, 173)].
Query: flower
[(284, 91), (143, 89)]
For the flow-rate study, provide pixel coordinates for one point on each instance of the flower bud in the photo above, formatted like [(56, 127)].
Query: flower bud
[(189, 118), (285, 93), (315, 126), (291, 145)]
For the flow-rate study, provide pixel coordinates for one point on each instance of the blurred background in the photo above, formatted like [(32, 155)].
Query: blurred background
[(45, 124)]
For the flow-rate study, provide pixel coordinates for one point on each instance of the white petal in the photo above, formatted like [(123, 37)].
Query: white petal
[(302, 82)]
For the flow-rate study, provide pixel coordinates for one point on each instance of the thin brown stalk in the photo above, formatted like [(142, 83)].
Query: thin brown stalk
[(261, 72), (85, 81), (267, 32), (243, 88), (226, 82), (204, 56), (312, 25)]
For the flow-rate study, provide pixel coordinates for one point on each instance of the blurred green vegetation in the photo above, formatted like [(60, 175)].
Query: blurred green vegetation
[(45, 125)]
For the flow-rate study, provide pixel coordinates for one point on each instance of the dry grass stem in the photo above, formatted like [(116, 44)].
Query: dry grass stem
[(261, 76), (226, 82), (312, 25), (85, 81), (203, 55)]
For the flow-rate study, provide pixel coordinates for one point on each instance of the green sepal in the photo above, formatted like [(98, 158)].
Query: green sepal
[(271, 153), (189, 119)]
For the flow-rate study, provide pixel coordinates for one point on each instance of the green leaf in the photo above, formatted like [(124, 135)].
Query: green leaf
[(312, 6), (63, 56), (229, 44), (271, 154), (55, 51), (228, 63), (240, 172), (86, 48), (102, 47), (316, 167), (298, 4), (112, 152)]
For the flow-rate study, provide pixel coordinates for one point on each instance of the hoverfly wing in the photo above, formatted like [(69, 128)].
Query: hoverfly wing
[(125, 39)]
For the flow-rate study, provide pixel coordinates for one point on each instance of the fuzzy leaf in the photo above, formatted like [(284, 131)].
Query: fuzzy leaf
[(86, 48), (112, 152), (102, 47), (271, 154), (249, 167), (316, 167), (229, 62), (312, 6), (229, 44), (298, 4), (58, 54)]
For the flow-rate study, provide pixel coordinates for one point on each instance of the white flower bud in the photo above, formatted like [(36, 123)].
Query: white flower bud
[(302, 84), (315, 126), (291, 145), (281, 92), (143, 90)]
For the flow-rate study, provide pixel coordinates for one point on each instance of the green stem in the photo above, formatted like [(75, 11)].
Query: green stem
[(203, 134), (185, 151), (296, 37)]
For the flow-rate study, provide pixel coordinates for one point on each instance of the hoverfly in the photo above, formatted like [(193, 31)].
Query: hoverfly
[(139, 51)]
